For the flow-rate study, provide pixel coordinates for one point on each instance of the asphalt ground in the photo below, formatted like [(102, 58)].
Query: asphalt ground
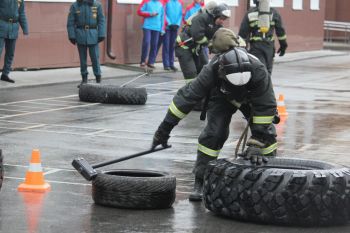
[(50, 117)]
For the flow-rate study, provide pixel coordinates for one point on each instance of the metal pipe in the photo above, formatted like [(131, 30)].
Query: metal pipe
[(109, 29)]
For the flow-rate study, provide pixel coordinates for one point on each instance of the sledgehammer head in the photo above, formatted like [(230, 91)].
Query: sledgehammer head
[(84, 168)]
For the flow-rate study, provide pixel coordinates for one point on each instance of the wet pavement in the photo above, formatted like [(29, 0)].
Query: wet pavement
[(52, 119)]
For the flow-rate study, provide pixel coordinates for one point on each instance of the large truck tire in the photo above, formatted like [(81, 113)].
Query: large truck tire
[(134, 189), (283, 191), (1, 169), (110, 94)]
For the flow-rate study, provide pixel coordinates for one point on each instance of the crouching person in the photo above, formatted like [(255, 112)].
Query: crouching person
[(235, 80), (86, 28)]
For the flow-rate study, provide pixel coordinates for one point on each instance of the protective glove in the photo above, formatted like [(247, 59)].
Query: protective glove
[(283, 47), (100, 39), (254, 152), (162, 135)]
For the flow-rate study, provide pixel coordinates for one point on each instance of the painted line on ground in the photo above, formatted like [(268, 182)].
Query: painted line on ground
[(25, 101), (52, 171), (50, 181), (50, 110), (10, 110)]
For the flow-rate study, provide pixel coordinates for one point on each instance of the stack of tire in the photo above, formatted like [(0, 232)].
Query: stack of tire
[(1, 169), (283, 191), (110, 94)]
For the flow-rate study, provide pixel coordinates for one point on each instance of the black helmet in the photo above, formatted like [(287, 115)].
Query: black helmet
[(235, 67), (256, 2), (221, 10)]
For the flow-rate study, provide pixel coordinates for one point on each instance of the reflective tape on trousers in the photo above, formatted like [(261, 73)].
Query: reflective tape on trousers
[(174, 110), (208, 151), (262, 119)]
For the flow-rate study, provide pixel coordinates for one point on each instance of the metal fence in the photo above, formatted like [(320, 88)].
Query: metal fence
[(336, 31)]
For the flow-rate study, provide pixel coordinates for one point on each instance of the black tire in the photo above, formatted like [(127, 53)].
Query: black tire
[(284, 191), (134, 189), (109, 94), (1, 169)]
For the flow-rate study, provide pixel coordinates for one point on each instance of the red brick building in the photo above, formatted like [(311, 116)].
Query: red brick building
[(48, 45)]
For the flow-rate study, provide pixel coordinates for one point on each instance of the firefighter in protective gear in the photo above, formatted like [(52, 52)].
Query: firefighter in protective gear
[(86, 28), (263, 45), (12, 15), (236, 80), (195, 35)]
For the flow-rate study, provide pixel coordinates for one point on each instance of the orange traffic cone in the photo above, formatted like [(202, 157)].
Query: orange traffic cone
[(281, 107), (34, 181)]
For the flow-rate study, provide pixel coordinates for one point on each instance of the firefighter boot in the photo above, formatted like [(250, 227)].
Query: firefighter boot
[(98, 78), (197, 193), (199, 170), (84, 80)]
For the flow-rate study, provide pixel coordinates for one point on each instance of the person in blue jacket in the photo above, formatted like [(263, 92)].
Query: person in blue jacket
[(12, 14), (153, 25), (86, 28), (192, 8), (173, 12)]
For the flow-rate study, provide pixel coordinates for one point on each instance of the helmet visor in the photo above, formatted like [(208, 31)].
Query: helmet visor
[(239, 79)]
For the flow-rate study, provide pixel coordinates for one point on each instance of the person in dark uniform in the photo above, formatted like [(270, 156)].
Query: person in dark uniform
[(263, 46), (236, 80), (12, 14), (86, 28), (196, 35)]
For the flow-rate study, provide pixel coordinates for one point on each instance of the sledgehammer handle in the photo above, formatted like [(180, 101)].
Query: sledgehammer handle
[(129, 157)]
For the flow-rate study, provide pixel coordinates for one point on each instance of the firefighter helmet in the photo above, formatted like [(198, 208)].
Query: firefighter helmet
[(235, 67), (221, 10), (210, 6)]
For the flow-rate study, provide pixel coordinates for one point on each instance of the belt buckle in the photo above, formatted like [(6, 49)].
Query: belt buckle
[(86, 27), (10, 20)]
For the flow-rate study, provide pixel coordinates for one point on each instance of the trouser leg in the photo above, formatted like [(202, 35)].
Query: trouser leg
[(265, 52), (145, 44), (82, 49), (2, 44), (211, 140), (95, 60), (10, 45), (187, 63), (153, 49), (172, 39), (166, 49), (201, 60), (160, 42)]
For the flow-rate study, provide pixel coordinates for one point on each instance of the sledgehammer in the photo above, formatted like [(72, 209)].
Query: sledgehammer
[(88, 171)]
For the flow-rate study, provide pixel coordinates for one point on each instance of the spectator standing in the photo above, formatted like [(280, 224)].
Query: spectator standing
[(192, 8), (12, 14), (86, 28), (173, 12), (153, 25)]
